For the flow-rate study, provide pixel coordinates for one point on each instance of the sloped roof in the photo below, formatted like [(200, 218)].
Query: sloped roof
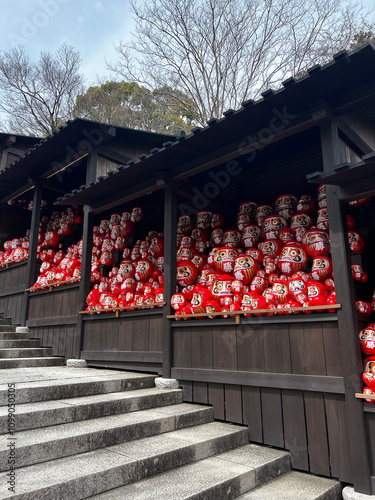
[(346, 78), (76, 137)]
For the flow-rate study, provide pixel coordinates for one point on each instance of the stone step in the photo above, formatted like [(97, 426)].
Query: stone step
[(62, 411), (10, 335), (224, 476), (52, 383), (22, 343), (7, 327), (31, 362), (57, 441), (5, 321), (26, 352), (91, 473), (296, 486)]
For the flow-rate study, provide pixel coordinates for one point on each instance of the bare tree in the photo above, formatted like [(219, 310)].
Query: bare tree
[(38, 97), (222, 52)]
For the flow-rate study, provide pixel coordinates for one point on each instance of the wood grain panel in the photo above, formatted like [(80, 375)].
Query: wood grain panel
[(272, 417), (295, 428), (252, 410), (317, 433), (250, 342)]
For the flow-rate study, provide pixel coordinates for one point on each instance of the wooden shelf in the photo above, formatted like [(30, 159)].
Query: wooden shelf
[(252, 313)]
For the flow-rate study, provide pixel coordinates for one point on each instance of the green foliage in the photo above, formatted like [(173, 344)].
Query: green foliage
[(128, 104)]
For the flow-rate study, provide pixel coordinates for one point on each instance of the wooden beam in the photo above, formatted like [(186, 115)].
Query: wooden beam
[(352, 139), (3, 159), (170, 232), (347, 317), (8, 142), (314, 383), (125, 195), (141, 356), (238, 148), (113, 155), (48, 322), (31, 270), (322, 112), (362, 188), (91, 167), (84, 285)]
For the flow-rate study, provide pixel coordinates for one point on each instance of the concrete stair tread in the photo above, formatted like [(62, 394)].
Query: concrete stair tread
[(10, 335), (6, 363), (47, 413), (7, 327), (24, 352), (84, 475), (60, 382), (20, 343), (41, 445), (297, 486), (211, 478)]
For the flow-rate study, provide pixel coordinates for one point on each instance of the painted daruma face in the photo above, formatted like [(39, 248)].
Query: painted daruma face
[(270, 248), (204, 218), (293, 258), (250, 236), (322, 220), (316, 242), (187, 273), (248, 208), (286, 235), (321, 268), (367, 340), (301, 220), (144, 270), (221, 288), (306, 204), (272, 225), (185, 224), (356, 241), (217, 237), (286, 205), (231, 238), (245, 269), (243, 220), (224, 259), (261, 212)]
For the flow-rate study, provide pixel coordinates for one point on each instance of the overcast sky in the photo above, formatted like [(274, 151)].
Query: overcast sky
[(92, 27)]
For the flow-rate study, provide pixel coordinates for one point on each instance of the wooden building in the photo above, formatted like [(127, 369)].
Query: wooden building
[(291, 379)]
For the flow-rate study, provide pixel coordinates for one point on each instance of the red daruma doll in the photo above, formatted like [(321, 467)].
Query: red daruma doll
[(221, 288), (245, 269), (367, 339), (316, 242), (293, 258), (187, 273)]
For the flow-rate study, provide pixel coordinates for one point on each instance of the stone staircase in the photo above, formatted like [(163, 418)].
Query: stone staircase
[(104, 434)]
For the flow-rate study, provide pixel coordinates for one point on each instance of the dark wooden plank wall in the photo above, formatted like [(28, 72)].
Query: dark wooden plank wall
[(132, 341), (310, 423), (12, 291), (52, 317)]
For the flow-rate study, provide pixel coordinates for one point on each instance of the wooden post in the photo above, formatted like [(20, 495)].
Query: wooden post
[(31, 270), (84, 286), (170, 226), (92, 166), (347, 317)]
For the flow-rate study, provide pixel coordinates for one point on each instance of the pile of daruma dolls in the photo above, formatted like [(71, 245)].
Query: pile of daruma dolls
[(51, 231), (276, 259), (59, 267), (138, 281)]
